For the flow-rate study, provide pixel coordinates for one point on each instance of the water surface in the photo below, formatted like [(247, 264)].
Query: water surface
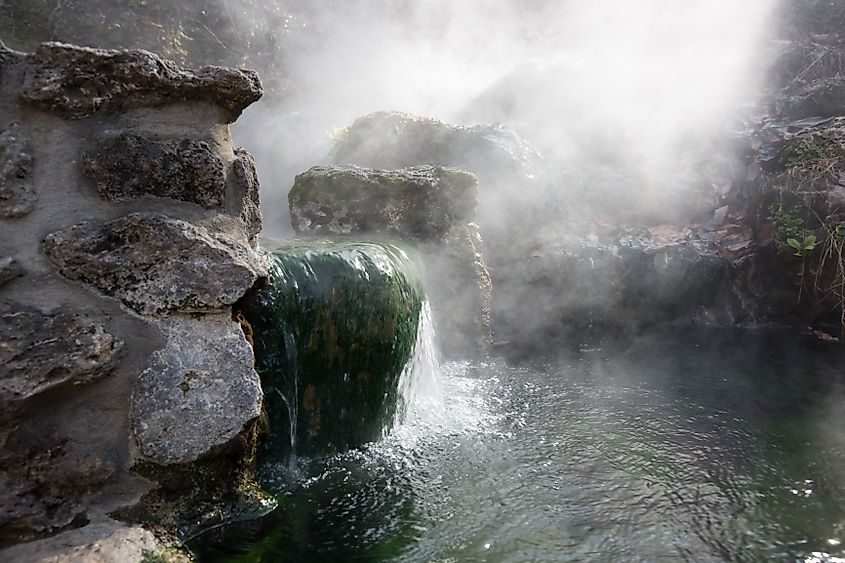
[(692, 446)]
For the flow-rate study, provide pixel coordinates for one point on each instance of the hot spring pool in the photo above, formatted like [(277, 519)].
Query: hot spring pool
[(695, 445)]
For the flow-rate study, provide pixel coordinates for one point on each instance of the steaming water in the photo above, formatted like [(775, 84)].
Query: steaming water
[(699, 446)]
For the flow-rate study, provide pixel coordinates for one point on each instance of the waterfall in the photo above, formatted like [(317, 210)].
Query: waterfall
[(420, 395)]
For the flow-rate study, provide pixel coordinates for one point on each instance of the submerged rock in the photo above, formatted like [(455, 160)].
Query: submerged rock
[(128, 166), (333, 330), (422, 203), (39, 352), (17, 197), (77, 82), (155, 264), (198, 395)]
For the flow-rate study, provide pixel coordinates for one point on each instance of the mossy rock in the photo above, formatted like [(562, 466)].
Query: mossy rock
[(333, 329)]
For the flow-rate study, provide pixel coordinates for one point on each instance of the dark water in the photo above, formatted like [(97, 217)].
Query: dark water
[(693, 446)]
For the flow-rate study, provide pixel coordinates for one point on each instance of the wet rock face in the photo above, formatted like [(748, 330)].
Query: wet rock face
[(77, 82), (199, 393), (155, 264), (246, 191), (333, 331), (41, 351), (127, 166), (422, 203), (17, 197)]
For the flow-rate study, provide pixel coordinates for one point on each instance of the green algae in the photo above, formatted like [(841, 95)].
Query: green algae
[(332, 332)]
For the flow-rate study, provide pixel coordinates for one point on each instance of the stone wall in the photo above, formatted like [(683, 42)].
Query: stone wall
[(127, 227)]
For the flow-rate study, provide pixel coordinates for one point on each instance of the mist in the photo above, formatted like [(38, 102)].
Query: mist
[(637, 86)]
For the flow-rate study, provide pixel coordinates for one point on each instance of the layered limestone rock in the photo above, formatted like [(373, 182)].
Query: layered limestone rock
[(40, 351), (430, 205), (421, 202), (77, 82), (125, 166), (127, 231), (155, 264)]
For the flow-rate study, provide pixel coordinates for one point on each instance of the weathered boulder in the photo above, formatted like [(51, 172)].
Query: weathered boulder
[(41, 351), (17, 196), (9, 269), (333, 330), (245, 192), (155, 264), (77, 82), (422, 202), (126, 166), (824, 97), (199, 394), (572, 283)]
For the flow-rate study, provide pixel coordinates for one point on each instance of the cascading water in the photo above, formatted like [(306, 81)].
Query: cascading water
[(420, 386)]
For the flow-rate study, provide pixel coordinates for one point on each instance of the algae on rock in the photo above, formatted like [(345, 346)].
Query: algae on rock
[(332, 332)]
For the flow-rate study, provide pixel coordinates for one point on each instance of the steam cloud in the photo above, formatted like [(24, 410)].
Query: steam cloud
[(633, 83)]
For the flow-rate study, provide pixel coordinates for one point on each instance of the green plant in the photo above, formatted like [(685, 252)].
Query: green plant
[(790, 233), (806, 244), (807, 152)]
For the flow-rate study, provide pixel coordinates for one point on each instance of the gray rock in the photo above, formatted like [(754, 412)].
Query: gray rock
[(460, 287), (155, 264), (127, 166), (45, 485), (245, 193), (199, 394), (9, 270), (422, 203), (78, 82), (41, 351), (17, 197)]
